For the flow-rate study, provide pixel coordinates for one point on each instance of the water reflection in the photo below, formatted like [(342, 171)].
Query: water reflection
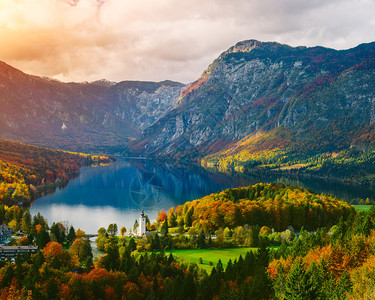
[(116, 193)]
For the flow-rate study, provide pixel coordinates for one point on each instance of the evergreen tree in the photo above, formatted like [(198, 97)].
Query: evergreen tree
[(164, 228), (344, 286), (279, 283), (132, 245), (367, 225), (253, 236), (71, 235), (189, 217), (172, 220), (298, 286), (201, 241), (55, 233), (26, 221), (42, 238), (136, 225), (314, 280)]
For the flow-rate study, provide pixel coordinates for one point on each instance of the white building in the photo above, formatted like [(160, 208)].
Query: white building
[(142, 224)]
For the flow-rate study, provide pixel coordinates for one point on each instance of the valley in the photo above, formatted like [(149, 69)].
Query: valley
[(260, 107), (247, 177)]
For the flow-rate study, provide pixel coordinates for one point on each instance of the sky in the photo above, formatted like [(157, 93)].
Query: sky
[(154, 40)]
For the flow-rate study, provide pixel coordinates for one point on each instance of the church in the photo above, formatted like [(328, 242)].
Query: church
[(141, 230)]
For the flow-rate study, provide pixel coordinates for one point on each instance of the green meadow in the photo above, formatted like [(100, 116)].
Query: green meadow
[(210, 255), (362, 207)]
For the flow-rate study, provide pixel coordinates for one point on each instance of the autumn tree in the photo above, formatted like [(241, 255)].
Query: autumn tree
[(162, 216), (123, 231)]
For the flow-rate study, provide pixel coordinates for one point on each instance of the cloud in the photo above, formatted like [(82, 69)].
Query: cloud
[(71, 2), (78, 40)]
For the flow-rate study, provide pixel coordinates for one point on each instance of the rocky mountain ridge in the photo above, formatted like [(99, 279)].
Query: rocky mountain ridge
[(255, 88), (78, 116)]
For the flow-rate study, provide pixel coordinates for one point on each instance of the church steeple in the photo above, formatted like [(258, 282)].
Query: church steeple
[(142, 224)]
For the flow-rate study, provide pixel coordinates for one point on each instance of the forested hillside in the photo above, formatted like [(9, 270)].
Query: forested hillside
[(25, 168), (274, 205), (335, 262), (281, 152)]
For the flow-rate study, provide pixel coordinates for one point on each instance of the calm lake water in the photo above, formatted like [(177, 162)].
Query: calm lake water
[(117, 193)]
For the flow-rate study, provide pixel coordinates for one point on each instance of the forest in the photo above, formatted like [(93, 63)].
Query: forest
[(274, 205), (329, 262), (26, 171), (320, 154)]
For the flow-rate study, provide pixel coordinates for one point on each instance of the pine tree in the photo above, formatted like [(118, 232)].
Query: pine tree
[(314, 281), (297, 286), (71, 235), (343, 287), (164, 228), (279, 283), (189, 217), (201, 242), (367, 226)]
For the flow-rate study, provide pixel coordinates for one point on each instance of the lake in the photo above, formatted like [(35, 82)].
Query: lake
[(118, 192)]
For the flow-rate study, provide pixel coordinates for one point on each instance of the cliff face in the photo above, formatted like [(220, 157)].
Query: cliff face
[(255, 87), (250, 90), (79, 115)]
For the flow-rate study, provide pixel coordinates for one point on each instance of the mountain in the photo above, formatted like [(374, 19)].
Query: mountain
[(79, 116), (260, 97)]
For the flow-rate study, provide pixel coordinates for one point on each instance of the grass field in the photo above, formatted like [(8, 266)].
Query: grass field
[(362, 207), (210, 255)]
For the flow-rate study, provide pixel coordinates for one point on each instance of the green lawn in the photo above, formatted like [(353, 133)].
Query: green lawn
[(210, 255), (362, 207)]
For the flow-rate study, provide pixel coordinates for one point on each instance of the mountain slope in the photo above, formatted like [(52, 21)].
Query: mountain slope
[(273, 96), (79, 115), (26, 171)]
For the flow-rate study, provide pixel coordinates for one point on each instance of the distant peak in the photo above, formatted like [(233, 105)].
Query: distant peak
[(249, 45), (104, 82), (245, 46)]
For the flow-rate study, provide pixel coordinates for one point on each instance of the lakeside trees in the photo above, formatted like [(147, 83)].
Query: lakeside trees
[(329, 263), (24, 167), (273, 205)]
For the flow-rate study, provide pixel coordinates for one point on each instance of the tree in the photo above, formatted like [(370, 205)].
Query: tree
[(112, 229), (26, 221), (52, 250), (188, 220), (162, 216), (55, 233), (23, 241), (253, 236), (132, 245), (136, 225), (279, 283), (111, 261), (101, 239), (297, 285), (201, 242), (172, 220), (82, 249), (42, 238), (164, 228), (123, 231), (71, 235), (13, 225)]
